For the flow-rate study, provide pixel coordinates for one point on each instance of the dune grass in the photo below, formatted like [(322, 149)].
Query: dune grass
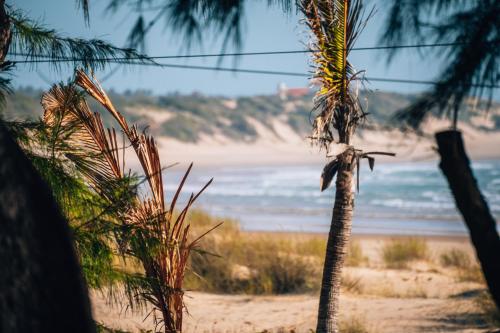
[(489, 310), (473, 273), (467, 269), (455, 258), (230, 261), (354, 325), (233, 262), (355, 257), (399, 253), (351, 284)]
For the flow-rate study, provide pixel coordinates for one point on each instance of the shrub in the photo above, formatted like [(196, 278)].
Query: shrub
[(355, 256), (488, 308), (455, 258), (351, 284), (233, 262), (398, 253), (472, 273), (353, 325)]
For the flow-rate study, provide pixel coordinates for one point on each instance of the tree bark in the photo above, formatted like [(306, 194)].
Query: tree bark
[(41, 285), (338, 238), (473, 207)]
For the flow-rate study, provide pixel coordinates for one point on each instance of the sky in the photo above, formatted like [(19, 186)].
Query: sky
[(266, 29)]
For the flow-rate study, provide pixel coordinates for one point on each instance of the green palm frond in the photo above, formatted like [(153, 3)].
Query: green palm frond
[(334, 26), (189, 18), (38, 42), (471, 65), (84, 5)]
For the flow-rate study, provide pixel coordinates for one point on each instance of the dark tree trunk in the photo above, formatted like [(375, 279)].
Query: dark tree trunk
[(41, 285), (338, 239), (473, 207)]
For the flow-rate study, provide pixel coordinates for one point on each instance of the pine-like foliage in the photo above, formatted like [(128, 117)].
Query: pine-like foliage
[(92, 218), (38, 43)]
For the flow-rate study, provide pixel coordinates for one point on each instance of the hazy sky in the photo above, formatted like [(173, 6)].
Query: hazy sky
[(266, 29)]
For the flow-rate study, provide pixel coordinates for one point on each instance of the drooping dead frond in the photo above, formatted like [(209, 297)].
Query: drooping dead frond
[(144, 145), (94, 89), (334, 26)]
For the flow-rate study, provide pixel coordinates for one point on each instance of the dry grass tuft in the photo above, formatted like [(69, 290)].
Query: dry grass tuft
[(472, 273), (355, 257), (489, 310), (236, 262), (354, 325), (388, 292), (352, 284), (455, 258), (399, 253)]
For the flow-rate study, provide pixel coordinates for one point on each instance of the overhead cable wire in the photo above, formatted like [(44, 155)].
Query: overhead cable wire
[(208, 55)]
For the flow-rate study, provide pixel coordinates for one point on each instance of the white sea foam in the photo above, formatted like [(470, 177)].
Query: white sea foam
[(290, 195)]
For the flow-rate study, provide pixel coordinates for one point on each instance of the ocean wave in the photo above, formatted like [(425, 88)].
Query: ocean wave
[(400, 203)]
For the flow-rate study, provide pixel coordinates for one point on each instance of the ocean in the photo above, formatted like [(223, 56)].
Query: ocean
[(410, 198)]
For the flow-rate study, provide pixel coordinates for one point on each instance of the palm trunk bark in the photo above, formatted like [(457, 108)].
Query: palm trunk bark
[(473, 207), (338, 238)]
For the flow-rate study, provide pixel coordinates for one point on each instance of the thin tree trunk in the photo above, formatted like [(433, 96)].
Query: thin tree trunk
[(473, 207), (338, 238)]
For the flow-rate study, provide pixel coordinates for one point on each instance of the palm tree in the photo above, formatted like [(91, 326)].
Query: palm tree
[(150, 232), (334, 26), (471, 69)]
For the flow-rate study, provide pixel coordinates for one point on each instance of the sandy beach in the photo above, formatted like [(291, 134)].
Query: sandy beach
[(284, 146), (425, 297)]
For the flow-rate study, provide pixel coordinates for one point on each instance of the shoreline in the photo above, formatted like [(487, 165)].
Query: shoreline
[(358, 237), (217, 152)]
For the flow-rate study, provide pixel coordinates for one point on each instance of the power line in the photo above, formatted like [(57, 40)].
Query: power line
[(282, 73), (208, 55), (132, 61)]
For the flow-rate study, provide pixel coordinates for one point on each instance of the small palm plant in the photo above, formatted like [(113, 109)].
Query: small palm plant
[(152, 233), (334, 26)]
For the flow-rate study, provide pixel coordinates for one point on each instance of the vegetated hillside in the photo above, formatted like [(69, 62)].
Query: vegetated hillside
[(191, 117)]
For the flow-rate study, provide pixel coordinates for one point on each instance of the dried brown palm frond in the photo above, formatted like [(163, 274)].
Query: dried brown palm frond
[(165, 259), (144, 146), (92, 148), (151, 232)]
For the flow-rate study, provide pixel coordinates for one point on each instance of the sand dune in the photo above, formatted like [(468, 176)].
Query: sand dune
[(284, 146)]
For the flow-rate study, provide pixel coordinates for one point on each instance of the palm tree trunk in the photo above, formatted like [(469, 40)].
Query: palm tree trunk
[(473, 207), (338, 238)]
